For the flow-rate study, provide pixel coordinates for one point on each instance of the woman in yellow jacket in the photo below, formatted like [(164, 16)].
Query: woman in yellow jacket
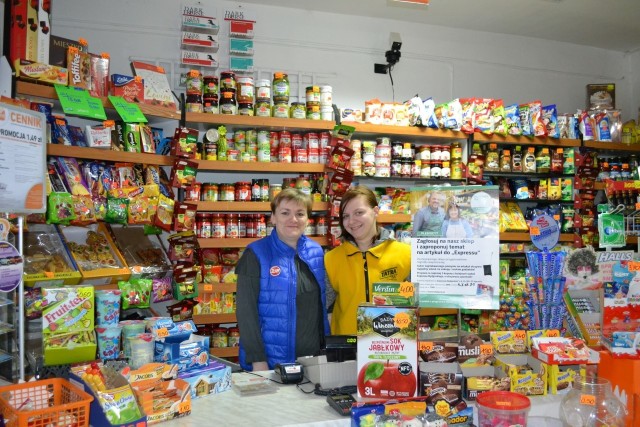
[(368, 254)]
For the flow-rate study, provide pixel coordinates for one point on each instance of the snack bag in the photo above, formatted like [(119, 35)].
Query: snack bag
[(550, 120), (70, 171), (453, 117), (525, 119), (117, 208), (586, 126), (161, 290), (537, 125), (499, 120), (468, 116), (164, 213), (119, 405), (512, 116), (183, 173), (428, 111), (184, 216), (185, 143), (60, 208), (84, 210), (136, 293), (483, 116), (603, 127), (60, 131), (440, 112)]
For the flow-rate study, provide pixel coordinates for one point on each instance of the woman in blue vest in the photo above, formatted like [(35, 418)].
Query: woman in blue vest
[(280, 300)]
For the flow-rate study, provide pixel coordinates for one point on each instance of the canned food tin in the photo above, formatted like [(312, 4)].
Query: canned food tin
[(283, 138), (311, 140)]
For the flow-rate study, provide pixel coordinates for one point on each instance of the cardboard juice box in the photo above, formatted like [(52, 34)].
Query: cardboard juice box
[(387, 356)]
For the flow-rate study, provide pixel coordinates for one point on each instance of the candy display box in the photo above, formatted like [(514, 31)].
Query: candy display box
[(563, 351), (190, 354), (213, 378), (67, 325), (561, 377), (46, 260), (143, 253), (96, 255), (583, 308), (527, 374)]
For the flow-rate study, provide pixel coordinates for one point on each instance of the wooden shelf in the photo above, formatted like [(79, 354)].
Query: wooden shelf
[(599, 185), (215, 318), (265, 167), (241, 243), (632, 240), (49, 92), (528, 175), (108, 155), (425, 311), (541, 201), (526, 140), (207, 288), (250, 206), (274, 123), (410, 131), (388, 218), (224, 351), (513, 236), (614, 146)]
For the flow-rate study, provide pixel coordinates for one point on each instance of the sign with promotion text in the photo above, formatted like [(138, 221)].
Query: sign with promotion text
[(455, 246)]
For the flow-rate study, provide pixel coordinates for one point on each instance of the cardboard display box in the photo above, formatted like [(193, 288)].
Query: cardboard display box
[(47, 261), (144, 254), (587, 323), (213, 378), (527, 374), (440, 381)]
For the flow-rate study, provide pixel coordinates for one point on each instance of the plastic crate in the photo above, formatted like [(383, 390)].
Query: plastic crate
[(44, 403)]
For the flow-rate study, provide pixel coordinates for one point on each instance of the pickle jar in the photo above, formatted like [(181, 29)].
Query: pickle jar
[(228, 102), (280, 88), (233, 337), (219, 338)]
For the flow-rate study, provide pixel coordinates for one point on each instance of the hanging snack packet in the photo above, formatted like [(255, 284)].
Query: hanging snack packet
[(512, 116), (615, 117), (537, 125), (184, 216), (183, 173), (164, 213), (161, 290), (116, 210), (136, 293), (429, 116), (70, 171), (56, 183), (183, 246), (414, 111), (340, 157), (525, 119), (185, 143), (60, 208), (185, 285), (340, 181), (468, 115), (440, 113), (563, 126), (155, 175), (483, 117), (146, 139), (550, 120), (84, 210), (499, 120), (453, 117)]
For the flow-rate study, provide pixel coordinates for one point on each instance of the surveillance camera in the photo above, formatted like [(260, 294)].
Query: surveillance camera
[(396, 41)]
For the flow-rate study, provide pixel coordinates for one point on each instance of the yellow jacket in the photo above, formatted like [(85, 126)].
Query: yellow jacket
[(389, 261)]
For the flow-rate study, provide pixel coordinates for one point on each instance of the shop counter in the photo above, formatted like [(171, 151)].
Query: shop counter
[(288, 406)]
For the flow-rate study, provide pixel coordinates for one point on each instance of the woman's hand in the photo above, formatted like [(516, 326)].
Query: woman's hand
[(260, 366)]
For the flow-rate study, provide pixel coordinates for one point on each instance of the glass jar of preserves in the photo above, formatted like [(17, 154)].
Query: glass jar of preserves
[(228, 80), (321, 226), (505, 160), (263, 90), (245, 109), (262, 109), (280, 87), (227, 193), (194, 82), (219, 338), (193, 103), (228, 102), (456, 151), (456, 169), (313, 94), (493, 159), (243, 191), (231, 226), (246, 90), (242, 226), (234, 337), (210, 192), (425, 169), (261, 225), (313, 112), (193, 192), (210, 104), (250, 225), (203, 225), (274, 190), (297, 110), (310, 229), (436, 152), (436, 168), (218, 226), (210, 85), (281, 110), (445, 172)]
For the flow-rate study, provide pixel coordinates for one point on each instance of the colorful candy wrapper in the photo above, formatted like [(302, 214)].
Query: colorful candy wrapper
[(108, 342), (108, 307)]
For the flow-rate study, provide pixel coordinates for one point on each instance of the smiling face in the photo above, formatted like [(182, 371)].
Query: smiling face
[(290, 219), (434, 203), (359, 220), (454, 212)]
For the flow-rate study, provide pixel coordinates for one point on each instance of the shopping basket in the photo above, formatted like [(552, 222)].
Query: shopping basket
[(52, 402)]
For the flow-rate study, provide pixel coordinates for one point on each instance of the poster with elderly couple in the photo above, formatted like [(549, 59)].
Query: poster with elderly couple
[(455, 246)]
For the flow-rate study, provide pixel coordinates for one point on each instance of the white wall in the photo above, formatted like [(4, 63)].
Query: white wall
[(440, 62)]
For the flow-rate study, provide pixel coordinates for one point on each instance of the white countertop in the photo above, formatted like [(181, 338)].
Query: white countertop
[(289, 406)]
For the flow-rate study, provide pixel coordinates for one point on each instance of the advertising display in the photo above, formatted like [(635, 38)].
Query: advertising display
[(455, 252)]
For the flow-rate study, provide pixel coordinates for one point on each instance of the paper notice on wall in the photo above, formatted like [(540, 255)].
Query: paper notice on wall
[(22, 160), (455, 246)]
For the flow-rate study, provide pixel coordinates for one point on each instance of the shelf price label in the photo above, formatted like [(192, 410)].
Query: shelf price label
[(78, 102), (128, 111)]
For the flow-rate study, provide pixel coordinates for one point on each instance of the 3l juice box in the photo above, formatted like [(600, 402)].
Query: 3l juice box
[(387, 357)]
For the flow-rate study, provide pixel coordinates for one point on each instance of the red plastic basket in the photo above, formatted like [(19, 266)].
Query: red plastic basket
[(44, 403)]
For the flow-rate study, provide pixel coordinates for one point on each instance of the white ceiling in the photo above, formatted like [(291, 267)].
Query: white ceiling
[(607, 24)]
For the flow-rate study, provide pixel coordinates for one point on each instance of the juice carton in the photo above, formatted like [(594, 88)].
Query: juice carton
[(387, 356)]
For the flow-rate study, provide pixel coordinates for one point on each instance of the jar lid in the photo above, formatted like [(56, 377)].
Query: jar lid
[(313, 88), (325, 88), (234, 329), (210, 77), (227, 73), (245, 80), (297, 104), (245, 105), (503, 401), (219, 330), (279, 75)]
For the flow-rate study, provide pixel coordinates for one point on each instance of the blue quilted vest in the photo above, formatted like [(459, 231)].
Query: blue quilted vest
[(277, 300)]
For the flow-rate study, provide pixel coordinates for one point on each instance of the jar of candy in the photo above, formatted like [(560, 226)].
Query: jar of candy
[(234, 337), (591, 399), (219, 338)]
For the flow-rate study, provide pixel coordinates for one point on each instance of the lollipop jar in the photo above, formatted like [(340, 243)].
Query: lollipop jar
[(591, 403)]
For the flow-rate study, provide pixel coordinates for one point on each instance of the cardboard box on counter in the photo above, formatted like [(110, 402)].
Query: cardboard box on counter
[(527, 374), (505, 342), (213, 378), (561, 377), (440, 381), (189, 354)]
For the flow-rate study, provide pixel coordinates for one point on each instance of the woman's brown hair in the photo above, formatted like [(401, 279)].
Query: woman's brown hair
[(295, 195), (370, 198)]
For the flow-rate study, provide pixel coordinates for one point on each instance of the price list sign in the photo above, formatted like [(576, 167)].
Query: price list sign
[(455, 262), (22, 160)]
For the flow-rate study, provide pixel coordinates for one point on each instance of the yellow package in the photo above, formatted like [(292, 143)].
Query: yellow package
[(516, 218), (554, 189)]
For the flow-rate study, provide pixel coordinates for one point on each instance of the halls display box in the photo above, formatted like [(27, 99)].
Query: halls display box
[(387, 352), (213, 378)]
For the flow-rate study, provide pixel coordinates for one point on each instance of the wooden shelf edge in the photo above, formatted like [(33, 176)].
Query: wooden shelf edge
[(618, 146), (224, 351), (250, 206), (393, 218), (274, 167), (207, 288), (427, 311), (262, 122), (49, 92), (243, 242), (215, 318), (423, 132), (521, 236), (109, 155), (526, 140)]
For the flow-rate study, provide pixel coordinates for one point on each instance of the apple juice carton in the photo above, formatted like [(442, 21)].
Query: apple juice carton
[(387, 357)]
